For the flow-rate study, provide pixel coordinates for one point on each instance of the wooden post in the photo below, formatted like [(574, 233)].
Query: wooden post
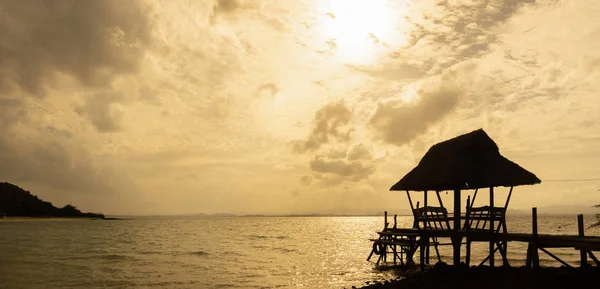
[(582, 253), (508, 198), (535, 258), (468, 249), (422, 254), (437, 193), (395, 221), (492, 227), (456, 210), (426, 241), (456, 240), (385, 219), (534, 222)]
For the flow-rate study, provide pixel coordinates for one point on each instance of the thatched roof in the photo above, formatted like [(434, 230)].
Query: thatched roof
[(468, 161)]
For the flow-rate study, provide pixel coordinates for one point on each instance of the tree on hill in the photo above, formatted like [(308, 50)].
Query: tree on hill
[(15, 201)]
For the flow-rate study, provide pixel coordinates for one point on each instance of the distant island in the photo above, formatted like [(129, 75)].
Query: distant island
[(17, 202)]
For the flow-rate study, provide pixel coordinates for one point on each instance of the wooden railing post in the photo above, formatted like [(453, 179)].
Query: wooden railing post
[(582, 253), (385, 222), (534, 231)]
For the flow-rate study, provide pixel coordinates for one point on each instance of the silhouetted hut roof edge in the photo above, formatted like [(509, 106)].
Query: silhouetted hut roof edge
[(468, 161)]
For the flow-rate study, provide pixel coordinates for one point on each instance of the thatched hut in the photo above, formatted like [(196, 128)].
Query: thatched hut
[(469, 161)]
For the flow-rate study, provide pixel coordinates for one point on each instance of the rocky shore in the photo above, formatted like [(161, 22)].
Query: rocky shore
[(443, 276)]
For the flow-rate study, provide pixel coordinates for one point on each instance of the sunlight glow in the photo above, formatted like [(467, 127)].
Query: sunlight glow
[(357, 29)]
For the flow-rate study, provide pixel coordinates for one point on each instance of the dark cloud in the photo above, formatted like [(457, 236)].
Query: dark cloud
[(42, 43), (226, 6), (330, 123), (57, 165), (103, 111), (398, 122), (337, 167), (11, 110), (89, 41)]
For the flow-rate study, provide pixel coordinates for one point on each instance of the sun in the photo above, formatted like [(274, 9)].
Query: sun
[(357, 29)]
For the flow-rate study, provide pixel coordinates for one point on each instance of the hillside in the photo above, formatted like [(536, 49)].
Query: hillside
[(17, 202)]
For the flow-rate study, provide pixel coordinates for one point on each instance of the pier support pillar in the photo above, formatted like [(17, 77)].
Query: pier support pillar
[(492, 227), (456, 239)]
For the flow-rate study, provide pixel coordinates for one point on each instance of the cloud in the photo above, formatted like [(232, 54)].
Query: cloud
[(353, 171), (398, 121), (306, 180), (341, 166), (359, 152), (91, 42), (56, 56), (453, 31), (267, 90), (59, 165), (103, 111), (229, 8), (330, 123)]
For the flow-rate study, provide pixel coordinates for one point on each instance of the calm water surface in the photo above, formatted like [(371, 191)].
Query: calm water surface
[(269, 252)]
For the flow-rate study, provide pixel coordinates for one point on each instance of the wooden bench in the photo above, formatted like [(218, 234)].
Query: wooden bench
[(431, 218), (486, 219), (481, 218)]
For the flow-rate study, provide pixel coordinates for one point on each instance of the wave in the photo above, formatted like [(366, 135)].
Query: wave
[(199, 253), (115, 257), (284, 250), (258, 237), (151, 253)]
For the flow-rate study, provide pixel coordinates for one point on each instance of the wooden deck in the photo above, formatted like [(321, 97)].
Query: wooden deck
[(403, 243)]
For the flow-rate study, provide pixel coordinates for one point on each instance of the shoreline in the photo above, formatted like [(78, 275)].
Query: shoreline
[(462, 277), (35, 219)]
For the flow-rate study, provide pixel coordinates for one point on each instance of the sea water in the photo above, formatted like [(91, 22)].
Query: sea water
[(233, 252)]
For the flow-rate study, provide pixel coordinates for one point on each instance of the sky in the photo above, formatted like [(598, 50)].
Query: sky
[(290, 106)]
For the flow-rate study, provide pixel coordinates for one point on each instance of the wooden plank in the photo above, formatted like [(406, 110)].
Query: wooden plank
[(439, 198), (593, 257), (486, 258), (555, 258), (474, 197)]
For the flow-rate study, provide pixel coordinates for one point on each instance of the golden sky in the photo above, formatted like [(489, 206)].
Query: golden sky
[(290, 106)]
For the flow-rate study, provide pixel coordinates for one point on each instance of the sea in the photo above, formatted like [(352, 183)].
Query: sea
[(211, 252)]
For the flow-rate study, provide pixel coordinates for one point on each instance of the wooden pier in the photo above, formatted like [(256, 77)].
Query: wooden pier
[(403, 243), (469, 162)]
